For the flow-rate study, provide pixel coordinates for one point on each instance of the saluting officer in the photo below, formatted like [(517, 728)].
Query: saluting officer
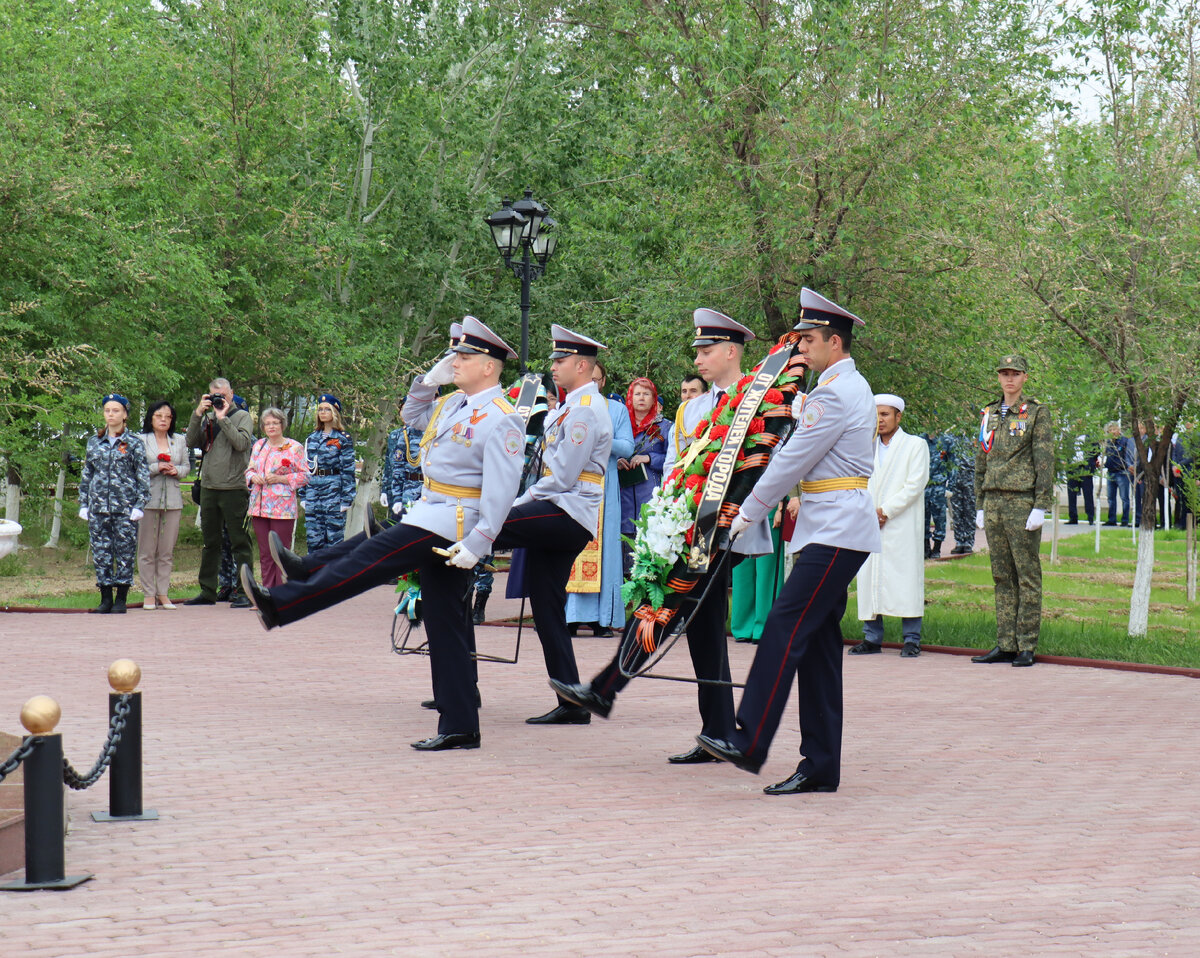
[(471, 458), (831, 455), (1014, 487), (560, 513), (719, 343)]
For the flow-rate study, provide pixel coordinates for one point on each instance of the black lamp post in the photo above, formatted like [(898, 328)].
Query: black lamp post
[(525, 238)]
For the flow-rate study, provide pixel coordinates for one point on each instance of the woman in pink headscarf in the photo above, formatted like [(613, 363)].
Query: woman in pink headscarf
[(642, 471)]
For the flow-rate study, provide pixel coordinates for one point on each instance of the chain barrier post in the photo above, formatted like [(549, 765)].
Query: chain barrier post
[(45, 809), (125, 769)]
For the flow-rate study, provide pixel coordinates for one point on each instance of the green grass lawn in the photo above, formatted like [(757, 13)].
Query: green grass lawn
[(1085, 605)]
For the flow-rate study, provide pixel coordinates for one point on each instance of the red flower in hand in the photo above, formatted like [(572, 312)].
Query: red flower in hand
[(164, 457), (286, 463)]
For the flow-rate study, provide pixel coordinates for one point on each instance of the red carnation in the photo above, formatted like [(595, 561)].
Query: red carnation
[(719, 432), (693, 481), (701, 427), (744, 382), (674, 476), (687, 537), (164, 457), (757, 425), (286, 463), (773, 395), (697, 497), (709, 460)]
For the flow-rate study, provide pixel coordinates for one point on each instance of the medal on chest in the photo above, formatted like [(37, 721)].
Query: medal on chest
[(462, 434)]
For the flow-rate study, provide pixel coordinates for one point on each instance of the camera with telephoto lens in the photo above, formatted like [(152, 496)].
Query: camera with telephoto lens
[(218, 402)]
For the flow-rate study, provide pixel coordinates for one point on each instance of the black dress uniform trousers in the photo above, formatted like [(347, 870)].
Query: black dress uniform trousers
[(710, 656), (551, 540), (802, 641), (349, 568)]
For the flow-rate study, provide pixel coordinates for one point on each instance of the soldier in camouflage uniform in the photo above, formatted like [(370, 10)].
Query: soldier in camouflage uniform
[(329, 493), (962, 493), (1014, 486), (401, 481), (935, 493), (113, 490)]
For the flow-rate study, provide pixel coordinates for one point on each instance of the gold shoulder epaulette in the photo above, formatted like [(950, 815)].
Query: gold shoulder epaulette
[(504, 404), (585, 400)]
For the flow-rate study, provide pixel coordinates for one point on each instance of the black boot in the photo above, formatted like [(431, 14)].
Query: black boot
[(119, 605), (935, 550), (106, 602), (480, 604)]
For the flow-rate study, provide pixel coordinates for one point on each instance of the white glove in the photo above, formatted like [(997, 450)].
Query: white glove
[(461, 557), (442, 372), (1037, 519), (397, 508), (83, 513), (383, 499), (302, 506), (979, 519), (343, 508), (740, 524), (797, 405), (136, 514)]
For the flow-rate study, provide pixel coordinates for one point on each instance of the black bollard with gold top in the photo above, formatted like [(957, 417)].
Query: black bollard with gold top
[(45, 810), (125, 769)]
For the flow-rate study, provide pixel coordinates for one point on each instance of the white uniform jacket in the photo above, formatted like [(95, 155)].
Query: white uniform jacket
[(472, 454), (893, 582), (578, 436), (834, 439)]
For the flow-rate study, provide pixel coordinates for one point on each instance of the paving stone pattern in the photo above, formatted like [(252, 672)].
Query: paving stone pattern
[(983, 809)]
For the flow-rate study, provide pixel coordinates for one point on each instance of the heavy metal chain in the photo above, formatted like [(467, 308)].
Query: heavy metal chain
[(24, 750), (116, 726)]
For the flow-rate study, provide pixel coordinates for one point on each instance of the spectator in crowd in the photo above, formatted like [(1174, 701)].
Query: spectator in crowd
[(168, 462), (940, 451), (641, 473), (329, 493), (227, 572), (1014, 486), (1081, 475), (961, 486), (605, 610), (1149, 440), (224, 433), (113, 491), (892, 581), (401, 481), (1120, 458), (277, 469)]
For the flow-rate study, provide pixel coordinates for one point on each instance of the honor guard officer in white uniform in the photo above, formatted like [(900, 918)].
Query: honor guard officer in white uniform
[(831, 455), (719, 343), (560, 514), (472, 453)]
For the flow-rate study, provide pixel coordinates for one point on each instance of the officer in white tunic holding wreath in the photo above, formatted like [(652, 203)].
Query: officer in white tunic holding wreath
[(892, 581), (831, 455)]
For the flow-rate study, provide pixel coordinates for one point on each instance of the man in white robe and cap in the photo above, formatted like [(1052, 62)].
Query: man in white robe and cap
[(892, 581)]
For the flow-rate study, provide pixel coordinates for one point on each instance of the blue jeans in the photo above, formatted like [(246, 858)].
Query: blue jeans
[(1118, 482), (910, 628)]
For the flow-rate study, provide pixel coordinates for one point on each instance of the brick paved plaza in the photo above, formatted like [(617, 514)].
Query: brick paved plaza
[(983, 810)]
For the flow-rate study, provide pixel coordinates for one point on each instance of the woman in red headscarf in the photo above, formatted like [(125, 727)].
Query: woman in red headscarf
[(642, 471)]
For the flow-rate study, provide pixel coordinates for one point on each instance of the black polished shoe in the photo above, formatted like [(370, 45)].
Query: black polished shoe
[(695, 756), (796, 785), (562, 715), (997, 654), (260, 598), (1023, 659), (602, 631), (440, 743), (200, 599), (866, 648), (961, 551), (738, 638), (583, 696), (910, 651), (728, 752), (239, 601), (290, 565)]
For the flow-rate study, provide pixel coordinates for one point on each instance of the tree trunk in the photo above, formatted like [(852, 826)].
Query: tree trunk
[(1139, 600), (12, 495), (56, 526)]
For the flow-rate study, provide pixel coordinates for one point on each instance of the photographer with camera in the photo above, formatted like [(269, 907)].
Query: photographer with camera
[(225, 433)]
